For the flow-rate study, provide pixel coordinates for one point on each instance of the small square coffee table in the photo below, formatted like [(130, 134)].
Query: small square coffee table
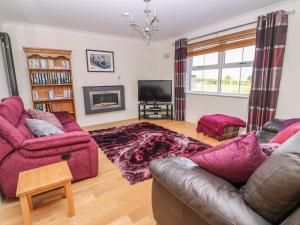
[(43, 179)]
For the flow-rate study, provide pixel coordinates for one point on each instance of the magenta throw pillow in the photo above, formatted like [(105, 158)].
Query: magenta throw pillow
[(46, 116), (284, 135), (234, 160), (287, 123)]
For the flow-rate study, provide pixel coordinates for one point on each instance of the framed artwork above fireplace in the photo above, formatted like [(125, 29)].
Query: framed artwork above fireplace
[(100, 61), (100, 99)]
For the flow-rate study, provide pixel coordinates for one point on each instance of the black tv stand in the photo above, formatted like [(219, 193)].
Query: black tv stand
[(155, 110)]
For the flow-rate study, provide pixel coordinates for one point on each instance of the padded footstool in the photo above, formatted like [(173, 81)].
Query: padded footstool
[(220, 126)]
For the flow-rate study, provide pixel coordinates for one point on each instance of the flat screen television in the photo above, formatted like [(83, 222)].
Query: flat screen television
[(155, 90)]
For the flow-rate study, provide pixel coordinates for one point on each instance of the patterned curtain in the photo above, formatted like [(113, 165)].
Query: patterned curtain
[(180, 78), (267, 69)]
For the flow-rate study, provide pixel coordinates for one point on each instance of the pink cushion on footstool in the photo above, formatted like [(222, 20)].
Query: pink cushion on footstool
[(234, 160)]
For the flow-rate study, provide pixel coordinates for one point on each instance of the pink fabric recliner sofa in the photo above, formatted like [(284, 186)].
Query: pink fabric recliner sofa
[(20, 150)]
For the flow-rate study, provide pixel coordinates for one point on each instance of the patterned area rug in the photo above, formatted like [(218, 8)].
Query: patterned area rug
[(132, 148)]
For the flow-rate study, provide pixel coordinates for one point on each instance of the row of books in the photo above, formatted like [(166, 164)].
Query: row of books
[(68, 93), (50, 95), (46, 107), (47, 64), (50, 78)]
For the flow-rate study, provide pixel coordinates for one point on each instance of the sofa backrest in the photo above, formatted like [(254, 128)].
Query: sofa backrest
[(273, 190), (13, 130), (12, 110)]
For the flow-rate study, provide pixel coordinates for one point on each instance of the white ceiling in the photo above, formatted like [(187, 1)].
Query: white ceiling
[(176, 16)]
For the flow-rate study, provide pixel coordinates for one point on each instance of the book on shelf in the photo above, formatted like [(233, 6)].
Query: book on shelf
[(51, 94), (44, 78), (68, 93), (46, 107), (35, 95), (51, 63), (66, 64), (47, 64)]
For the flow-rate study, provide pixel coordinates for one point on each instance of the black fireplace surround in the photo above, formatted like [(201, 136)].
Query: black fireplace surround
[(100, 99)]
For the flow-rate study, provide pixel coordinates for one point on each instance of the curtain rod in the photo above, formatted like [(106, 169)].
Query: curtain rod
[(232, 28)]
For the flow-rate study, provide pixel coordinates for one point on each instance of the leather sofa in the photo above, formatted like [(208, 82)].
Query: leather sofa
[(20, 150), (185, 194), (269, 130)]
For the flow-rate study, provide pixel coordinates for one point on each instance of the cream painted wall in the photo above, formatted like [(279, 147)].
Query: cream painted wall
[(288, 102), (133, 60), (198, 105)]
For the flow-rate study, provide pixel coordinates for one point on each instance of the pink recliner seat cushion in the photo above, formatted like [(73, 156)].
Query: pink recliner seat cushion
[(67, 121), (234, 160), (11, 109), (57, 140), (70, 127), (64, 117)]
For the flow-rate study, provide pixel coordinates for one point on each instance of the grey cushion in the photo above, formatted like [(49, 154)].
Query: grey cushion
[(273, 125), (42, 128), (264, 136), (273, 190)]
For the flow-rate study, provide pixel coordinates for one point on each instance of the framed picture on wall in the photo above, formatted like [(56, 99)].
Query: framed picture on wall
[(100, 61)]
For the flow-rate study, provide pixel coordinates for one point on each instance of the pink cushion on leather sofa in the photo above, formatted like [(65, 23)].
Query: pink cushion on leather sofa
[(234, 160), (11, 109), (288, 132)]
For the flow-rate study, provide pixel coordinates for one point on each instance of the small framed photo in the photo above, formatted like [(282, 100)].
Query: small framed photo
[(100, 61)]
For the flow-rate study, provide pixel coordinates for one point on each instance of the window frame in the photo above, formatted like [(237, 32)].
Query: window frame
[(221, 65)]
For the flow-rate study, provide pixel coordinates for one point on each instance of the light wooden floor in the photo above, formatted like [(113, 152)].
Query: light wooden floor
[(107, 199)]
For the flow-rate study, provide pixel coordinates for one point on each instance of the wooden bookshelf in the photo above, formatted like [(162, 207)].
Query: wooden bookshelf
[(50, 75)]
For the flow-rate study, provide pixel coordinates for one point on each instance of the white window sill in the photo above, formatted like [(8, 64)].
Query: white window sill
[(218, 94)]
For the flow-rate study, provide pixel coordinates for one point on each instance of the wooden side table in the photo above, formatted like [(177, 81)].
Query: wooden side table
[(43, 179)]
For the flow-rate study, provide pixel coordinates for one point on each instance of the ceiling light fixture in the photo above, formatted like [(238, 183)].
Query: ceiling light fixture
[(151, 27), (126, 14)]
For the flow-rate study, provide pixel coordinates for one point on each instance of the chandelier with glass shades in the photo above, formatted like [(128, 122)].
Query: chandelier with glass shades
[(150, 29)]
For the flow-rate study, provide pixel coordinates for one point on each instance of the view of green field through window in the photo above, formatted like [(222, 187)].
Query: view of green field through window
[(228, 72)]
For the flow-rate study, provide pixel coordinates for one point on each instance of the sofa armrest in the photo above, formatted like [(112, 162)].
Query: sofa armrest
[(55, 141), (212, 198)]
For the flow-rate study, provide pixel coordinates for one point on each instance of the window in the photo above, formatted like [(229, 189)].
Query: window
[(227, 71)]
